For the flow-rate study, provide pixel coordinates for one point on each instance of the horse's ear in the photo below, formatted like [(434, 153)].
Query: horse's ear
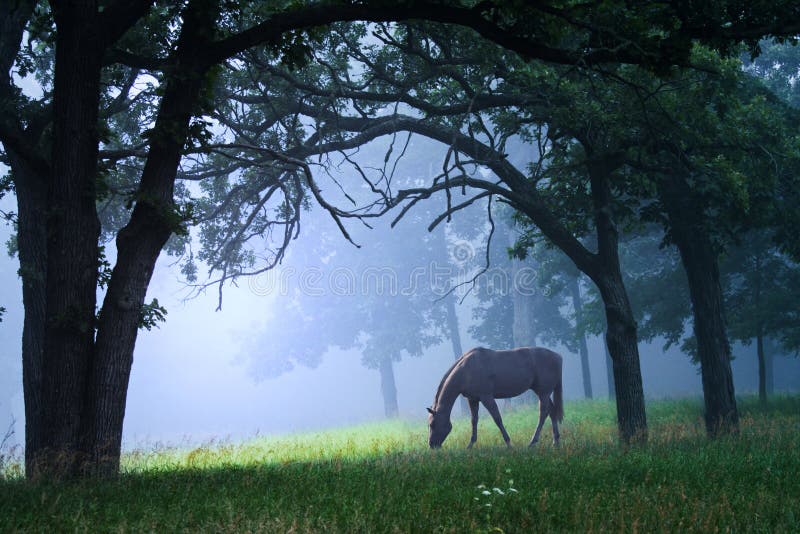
[(430, 411)]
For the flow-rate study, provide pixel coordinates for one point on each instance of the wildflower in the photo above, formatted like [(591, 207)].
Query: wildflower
[(498, 491), (486, 492)]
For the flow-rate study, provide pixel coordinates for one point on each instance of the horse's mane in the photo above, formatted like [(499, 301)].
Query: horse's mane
[(444, 379)]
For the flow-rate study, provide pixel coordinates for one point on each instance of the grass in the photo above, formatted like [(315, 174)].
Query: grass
[(381, 478)]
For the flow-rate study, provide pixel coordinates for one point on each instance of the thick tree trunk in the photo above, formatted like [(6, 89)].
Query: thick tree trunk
[(72, 233), (30, 187), (612, 390), (621, 336), (702, 270), (577, 303), (388, 387), (623, 347), (455, 339), (139, 244)]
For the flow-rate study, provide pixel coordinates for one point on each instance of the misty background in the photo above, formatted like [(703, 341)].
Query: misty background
[(201, 375)]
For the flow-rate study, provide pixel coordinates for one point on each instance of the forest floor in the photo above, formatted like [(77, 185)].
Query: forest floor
[(381, 477)]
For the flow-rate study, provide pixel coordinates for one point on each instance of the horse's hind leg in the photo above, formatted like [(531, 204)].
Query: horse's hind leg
[(556, 435), (544, 410), (473, 409), (491, 405)]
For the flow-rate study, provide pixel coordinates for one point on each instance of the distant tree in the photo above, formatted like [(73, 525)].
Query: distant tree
[(762, 290), (387, 299)]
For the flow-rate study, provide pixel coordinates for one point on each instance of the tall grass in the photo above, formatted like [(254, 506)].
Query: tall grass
[(381, 477)]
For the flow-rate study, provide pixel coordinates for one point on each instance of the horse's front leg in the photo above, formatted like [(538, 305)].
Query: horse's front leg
[(473, 410), (491, 405)]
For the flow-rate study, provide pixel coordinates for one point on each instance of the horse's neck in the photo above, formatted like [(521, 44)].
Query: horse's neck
[(449, 394)]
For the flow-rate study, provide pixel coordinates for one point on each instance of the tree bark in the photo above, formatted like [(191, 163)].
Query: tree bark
[(455, 339), (577, 303), (612, 390), (621, 335), (72, 233), (31, 192), (762, 369), (700, 262), (769, 366), (388, 387), (139, 243)]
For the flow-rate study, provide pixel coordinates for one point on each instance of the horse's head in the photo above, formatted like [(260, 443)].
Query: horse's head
[(439, 426)]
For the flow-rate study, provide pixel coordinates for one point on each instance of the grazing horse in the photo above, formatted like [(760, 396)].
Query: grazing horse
[(485, 375)]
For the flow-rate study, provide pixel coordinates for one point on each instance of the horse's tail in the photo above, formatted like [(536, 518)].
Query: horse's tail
[(558, 403)]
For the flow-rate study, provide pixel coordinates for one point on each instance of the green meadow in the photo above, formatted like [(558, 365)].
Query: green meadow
[(382, 478)]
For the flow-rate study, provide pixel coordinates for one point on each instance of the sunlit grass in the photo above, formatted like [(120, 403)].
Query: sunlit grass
[(381, 477)]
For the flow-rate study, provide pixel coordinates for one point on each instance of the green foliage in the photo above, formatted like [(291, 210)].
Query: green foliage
[(151, 314), (382, 478)]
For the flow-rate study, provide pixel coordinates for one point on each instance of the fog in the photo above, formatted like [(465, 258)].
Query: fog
[(196, 376)]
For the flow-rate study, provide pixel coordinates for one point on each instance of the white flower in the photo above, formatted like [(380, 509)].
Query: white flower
[(498, 491), (512, 489), (481, 486), (486, 492)]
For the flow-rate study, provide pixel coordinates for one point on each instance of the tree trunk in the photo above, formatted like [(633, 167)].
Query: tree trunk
[(31, 192), (139, 244), (769, 366), (72, 233), (455, 339), (762, 369), (577, 303), (623, 348), (612, 390), (762, 383), (621, 336), (702, 270), (522, 327), (388, 387)]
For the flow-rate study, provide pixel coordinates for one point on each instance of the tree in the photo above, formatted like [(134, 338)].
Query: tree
[(516, 189), (77, 365), (761, 295), (632, 148), (387, 299)]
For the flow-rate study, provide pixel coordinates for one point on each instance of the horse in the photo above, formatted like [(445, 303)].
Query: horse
[(483, 375)]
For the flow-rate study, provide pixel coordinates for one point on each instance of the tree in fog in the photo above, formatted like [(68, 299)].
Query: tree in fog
[(77, 362), (387, 299), (623, 146)]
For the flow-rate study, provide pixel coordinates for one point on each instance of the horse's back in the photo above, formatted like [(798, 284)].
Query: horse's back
[(508, 373)]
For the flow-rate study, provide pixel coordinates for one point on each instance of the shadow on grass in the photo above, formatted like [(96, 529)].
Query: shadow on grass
[(680, 481)]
